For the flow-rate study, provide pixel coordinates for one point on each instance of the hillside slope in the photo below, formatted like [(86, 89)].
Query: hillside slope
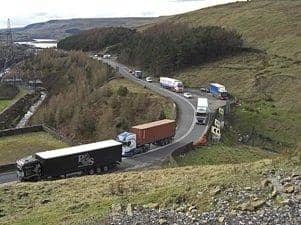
[(87, 200), (266, 80), (271, 25), (84, 101), (58, 29)]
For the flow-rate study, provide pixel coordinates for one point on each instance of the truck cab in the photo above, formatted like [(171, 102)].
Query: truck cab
[(179, 87), (28, 169), (219, 91), (202, 111), (129, 143), (138, 74)]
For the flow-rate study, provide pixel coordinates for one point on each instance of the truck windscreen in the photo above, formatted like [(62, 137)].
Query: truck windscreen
[(201, 114), (224, 94)]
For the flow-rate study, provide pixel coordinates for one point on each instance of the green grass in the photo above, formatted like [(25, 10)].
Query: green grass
[(266, 86), (6, 103), (265, 24), (87, 200), (169, 109), (222, 154), (18, 146)]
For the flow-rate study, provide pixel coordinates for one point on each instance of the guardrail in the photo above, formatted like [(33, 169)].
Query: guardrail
[(207, 134)]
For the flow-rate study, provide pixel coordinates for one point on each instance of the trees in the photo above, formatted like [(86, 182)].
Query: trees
[(81, 104), (161, 49)]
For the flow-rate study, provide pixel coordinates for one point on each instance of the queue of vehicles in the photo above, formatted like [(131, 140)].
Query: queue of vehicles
[(103, 156), (96, 157)]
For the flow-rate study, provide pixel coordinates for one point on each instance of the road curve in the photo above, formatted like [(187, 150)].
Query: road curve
[(187, 130)]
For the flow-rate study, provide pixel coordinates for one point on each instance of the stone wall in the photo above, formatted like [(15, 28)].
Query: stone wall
[(11, 116)]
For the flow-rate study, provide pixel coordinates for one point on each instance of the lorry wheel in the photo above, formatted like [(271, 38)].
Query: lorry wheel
[(91, 171), (105, 169), (98, 170)]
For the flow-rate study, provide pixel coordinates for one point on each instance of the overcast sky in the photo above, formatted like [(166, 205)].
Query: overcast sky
[(24, 12)]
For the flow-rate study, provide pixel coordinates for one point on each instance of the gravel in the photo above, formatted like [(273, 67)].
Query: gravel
[(261, 207)]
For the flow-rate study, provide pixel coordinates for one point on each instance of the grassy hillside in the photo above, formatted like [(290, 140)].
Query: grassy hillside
[(87, 200), (6, 103), (267, 88), (81, 101), (58, 29), (266, 81), (221, 154), (18, 146), (265, 24)]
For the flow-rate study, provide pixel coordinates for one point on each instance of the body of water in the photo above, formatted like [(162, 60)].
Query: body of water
[(40, 43)]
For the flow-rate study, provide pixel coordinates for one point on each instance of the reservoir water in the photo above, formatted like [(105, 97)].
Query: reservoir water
[(40, 43)]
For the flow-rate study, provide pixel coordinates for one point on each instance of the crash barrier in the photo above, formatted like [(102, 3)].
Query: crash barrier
[(8, 168), (180, 151), (14, 131), (37, 128)]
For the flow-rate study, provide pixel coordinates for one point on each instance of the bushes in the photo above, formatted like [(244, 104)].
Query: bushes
[(166, 48), (160, 49), (96, 39), (80, 104)]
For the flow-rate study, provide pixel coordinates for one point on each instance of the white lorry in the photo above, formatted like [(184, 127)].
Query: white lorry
[(202, 111), (172, 84)]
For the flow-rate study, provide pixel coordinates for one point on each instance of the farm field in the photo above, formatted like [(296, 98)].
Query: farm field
[(15, 147)]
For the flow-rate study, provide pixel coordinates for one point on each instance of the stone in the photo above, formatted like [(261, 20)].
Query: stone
[(295, 175), (192, 208), (152, 206), (289, 189), (221, 219), (274, 193), (265, 182), (45, 201), (245, 206), (285, 202), (162, 221), (258, 203), (215, 191), (129, 210), (298, 197)]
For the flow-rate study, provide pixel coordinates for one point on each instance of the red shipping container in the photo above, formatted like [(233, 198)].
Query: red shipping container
[(151, 132)]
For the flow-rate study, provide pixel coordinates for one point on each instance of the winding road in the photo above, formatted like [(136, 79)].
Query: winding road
[(187, 130)]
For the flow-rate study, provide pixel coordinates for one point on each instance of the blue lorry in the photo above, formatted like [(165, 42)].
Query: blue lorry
[(219, 91)]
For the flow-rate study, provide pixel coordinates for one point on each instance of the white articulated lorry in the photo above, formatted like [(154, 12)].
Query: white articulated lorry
[(172, 84), (202, 111)]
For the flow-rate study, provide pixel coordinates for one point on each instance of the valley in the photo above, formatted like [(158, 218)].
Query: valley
[(249, 173)]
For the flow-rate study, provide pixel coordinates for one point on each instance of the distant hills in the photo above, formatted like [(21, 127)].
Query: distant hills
[(58, 29)]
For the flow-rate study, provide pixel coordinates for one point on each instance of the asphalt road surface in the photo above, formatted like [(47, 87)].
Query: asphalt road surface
[(187, 130)]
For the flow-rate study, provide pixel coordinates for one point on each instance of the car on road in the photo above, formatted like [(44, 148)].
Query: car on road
[(187, 95), (205, 89), (131, 71), (149, 79)]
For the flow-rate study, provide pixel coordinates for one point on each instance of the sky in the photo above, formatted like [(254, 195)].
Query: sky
[(24, 12)]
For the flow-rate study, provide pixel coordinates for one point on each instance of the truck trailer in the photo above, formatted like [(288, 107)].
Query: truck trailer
[(78, 160), (218, 91), (140, 138), (202, 111), (172, 84)]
